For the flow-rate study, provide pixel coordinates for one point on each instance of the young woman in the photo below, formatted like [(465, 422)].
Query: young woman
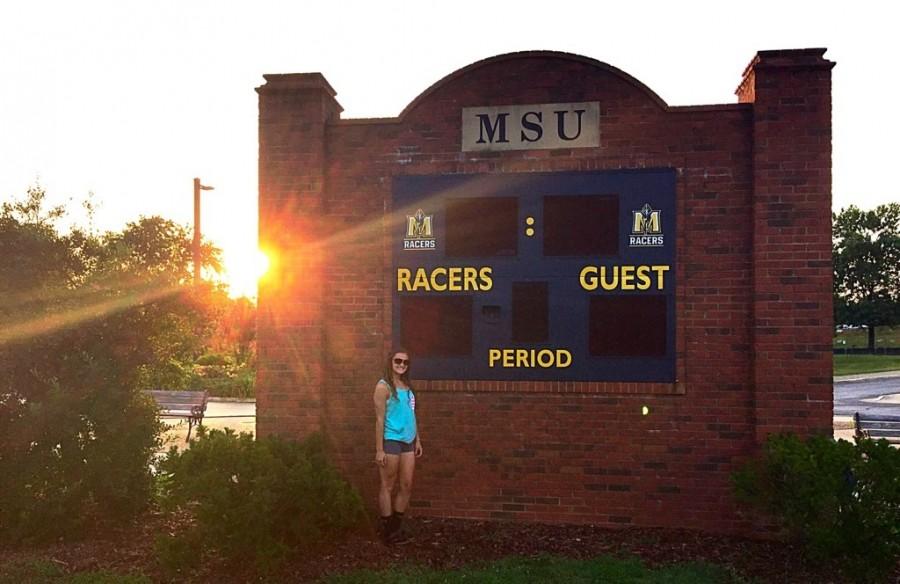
[(397, 443)]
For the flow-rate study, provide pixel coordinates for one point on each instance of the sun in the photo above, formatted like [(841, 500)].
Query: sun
[(243, 270)]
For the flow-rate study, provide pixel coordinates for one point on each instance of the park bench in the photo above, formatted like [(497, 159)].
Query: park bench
[(877, 426), (190, 405)]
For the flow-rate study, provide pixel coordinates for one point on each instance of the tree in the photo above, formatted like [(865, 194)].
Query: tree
[(158, 249), (150, 260), (236, 330), (866, 249), (86, 321)]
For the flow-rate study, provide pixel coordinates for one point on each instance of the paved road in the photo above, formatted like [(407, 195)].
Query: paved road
[(239, 416), (216, 408), (863, 393), (868, 394), (220, 414)]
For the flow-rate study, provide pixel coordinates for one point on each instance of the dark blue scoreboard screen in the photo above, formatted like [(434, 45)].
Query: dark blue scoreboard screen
[(536, 276)]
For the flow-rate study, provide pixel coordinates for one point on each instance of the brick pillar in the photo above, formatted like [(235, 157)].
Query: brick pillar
[(294, 112), (792, 272)]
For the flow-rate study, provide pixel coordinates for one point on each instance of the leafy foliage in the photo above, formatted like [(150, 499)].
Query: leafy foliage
[(178, 554), (229, 371), (257, 500), (841, 499), (235, 334), (866, 251), (87, 320), (229, 379)]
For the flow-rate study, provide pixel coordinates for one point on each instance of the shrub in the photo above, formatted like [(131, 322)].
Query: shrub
[(841, 500), (178, 553), (237, 382), (245, 382), (85, 320), (259, 500), (214, 359), (73, 454), (225, 380)]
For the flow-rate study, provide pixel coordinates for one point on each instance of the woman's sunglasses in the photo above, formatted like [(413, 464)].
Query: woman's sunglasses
[(401, 361)]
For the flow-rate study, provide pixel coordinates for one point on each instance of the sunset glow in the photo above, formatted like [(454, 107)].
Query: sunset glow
[(89, 309), (243, 271)]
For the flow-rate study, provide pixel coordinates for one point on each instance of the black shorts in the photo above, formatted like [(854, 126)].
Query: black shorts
[(396, 447)]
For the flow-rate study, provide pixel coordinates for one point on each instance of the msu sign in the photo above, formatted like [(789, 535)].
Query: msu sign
[(530, 127)]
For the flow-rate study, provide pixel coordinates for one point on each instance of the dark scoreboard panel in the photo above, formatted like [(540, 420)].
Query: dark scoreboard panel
[(537, 276)]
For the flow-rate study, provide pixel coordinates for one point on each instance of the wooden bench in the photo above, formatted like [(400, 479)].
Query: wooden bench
[(877, 426), (190, 405)]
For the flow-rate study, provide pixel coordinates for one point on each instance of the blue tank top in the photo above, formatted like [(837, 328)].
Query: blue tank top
[(400, 416)]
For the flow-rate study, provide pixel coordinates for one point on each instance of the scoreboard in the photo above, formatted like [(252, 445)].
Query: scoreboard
[(537, 276)]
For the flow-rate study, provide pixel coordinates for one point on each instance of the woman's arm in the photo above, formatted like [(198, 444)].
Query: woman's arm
[(418, 438), (382, 393)]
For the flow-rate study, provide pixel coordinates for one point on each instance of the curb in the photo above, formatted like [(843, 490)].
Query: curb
[(867, 376), (241, 400)]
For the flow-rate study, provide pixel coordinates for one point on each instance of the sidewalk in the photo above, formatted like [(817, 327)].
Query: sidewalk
[(221, 413), (843, 425), (865, 376)]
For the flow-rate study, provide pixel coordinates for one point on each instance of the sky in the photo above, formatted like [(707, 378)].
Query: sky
[(130, 100)]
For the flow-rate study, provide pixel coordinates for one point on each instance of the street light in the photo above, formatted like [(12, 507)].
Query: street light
[(196, 247)]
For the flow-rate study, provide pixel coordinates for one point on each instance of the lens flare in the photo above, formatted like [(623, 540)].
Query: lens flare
[(262, 263)]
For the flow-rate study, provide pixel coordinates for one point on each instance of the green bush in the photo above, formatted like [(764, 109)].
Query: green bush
[(178, 553), (73, 451), (259, 500), (225, 380), (840, 499), (214, 359), (86, 320)]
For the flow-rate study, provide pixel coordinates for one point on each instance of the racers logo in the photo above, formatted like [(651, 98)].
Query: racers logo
[(646, 228), (419, 231)]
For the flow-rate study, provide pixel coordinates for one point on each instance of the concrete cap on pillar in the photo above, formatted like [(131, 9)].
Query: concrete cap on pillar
[(298, 81), (782, 58)]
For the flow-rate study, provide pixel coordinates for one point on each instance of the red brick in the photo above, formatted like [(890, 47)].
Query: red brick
[(753, 336)]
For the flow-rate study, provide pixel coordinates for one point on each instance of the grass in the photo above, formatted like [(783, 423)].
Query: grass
[(548, 569), (885, 336), (40, 571), (855, 364), (505, 571)]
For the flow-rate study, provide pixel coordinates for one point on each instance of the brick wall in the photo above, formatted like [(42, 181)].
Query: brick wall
[(753, 301)]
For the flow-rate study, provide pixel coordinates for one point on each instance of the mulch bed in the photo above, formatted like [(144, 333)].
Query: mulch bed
[(441, 544)]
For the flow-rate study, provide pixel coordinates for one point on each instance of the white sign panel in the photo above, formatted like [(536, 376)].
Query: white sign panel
[(530, 127)]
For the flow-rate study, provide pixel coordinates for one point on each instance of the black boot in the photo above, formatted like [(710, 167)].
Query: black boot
[(387, 528), (398, 534)]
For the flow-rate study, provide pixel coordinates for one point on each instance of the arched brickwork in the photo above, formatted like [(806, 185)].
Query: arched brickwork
[(751, 192)]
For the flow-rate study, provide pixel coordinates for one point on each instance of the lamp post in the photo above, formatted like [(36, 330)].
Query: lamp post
[(196, 247)]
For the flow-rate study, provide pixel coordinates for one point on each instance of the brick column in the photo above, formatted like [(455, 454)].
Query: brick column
[(791, 257), (294, 112)]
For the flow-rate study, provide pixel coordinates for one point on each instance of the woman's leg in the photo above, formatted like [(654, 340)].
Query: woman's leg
[(407, 467), (388, 474)]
